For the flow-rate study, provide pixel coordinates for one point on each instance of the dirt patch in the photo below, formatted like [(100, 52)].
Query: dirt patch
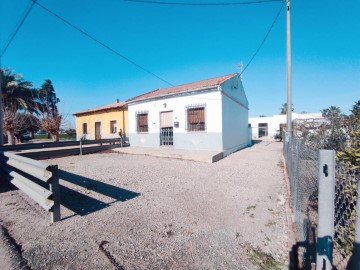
[(156, 213)]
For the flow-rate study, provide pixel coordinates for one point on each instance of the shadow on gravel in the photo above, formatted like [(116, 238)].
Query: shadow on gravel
[(255, 142), (82, 204), (5, 184), (303, 254)]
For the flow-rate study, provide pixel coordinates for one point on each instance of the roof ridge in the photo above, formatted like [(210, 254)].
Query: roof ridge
[(152, 91), (220, 80), (199, 81), (103, 107)]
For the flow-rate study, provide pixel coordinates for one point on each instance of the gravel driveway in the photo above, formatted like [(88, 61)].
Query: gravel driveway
[(156, 213)]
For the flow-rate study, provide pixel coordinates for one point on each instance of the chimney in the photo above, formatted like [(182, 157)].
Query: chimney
[(117, 100)]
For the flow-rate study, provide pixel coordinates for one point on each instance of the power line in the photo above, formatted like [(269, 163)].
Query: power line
[(21, 22), (224, 4), (101, 43), (264, 39), (203, 4)]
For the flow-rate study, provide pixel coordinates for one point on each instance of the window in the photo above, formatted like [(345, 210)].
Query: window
[(113, 126), (142, 122), (84, 128), (196, 119)]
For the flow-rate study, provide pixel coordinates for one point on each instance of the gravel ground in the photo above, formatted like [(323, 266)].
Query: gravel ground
[(156, 213)]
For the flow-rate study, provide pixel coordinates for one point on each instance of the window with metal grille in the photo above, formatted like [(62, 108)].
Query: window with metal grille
[(196, 119), (142, 122), (84, 128), (113, 126)]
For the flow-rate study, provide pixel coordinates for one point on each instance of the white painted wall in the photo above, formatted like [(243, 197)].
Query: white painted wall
[(226, 117), (201, 140), (235, 116), (275, 121)]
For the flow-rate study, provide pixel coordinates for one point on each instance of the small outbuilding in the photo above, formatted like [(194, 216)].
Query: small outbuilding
[(103, 122), (210, 114), (268, 126)]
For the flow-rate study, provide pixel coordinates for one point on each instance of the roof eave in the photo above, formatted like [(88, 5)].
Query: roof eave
[(100, 110), (211, 87)]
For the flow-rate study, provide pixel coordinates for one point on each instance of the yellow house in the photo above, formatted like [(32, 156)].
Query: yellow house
[(103, 122)]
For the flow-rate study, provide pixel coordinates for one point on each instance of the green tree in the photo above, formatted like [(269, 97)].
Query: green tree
[(331, 113), (335, 132), (17, 95), (351, 153), (50, 118), (355, 112), (48, 97), (283, 108)]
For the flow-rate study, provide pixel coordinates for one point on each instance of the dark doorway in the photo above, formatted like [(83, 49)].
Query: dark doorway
[(97, 130), (263, 129)]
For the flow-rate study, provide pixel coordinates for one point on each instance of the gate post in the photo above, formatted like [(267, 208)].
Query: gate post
[(324, 245)]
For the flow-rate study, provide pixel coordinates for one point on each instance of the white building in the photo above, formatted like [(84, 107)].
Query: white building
[(269, 125), (209, 115)]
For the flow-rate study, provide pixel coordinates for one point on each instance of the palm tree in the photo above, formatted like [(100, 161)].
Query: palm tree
[(284, 108), (17, 95)]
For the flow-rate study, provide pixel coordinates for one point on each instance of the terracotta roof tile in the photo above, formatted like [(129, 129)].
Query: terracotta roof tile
[(184, 87), (102, 108)]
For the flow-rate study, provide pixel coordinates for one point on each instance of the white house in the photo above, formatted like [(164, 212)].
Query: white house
[(269, 125), (211, 114)]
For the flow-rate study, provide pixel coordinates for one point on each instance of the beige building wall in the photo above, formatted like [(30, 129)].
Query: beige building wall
[(120, 115)]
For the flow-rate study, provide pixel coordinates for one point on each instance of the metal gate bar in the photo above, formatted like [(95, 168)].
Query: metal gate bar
[(166, 136)]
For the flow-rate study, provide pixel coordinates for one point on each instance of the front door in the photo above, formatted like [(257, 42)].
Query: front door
[(97, 130), (166, 128), (263, 129)]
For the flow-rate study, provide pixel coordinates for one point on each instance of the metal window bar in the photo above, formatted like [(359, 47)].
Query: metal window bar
[(196, 119), (142, 121)]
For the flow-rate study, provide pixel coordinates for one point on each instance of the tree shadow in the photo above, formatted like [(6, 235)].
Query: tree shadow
[(83, 204)]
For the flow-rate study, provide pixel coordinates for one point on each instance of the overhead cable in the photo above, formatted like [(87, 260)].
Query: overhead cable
[(203, 4), (224, 4), (264, 39), (101, 43), (20, 23)]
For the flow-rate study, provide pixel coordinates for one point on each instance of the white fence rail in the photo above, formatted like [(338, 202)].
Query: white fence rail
[(36, 179)]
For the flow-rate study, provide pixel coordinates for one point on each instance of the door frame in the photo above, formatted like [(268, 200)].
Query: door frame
[(263, 129), (170, 140), (98, 135)]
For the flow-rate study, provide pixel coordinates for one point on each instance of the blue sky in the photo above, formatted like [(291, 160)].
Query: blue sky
[(183, 44)]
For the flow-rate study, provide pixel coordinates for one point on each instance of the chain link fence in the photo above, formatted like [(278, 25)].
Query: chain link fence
[(345, 214), (303, 168), (302, 165)]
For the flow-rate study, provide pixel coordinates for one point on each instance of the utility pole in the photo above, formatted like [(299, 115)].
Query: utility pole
[(1, 109), (288, 64)]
